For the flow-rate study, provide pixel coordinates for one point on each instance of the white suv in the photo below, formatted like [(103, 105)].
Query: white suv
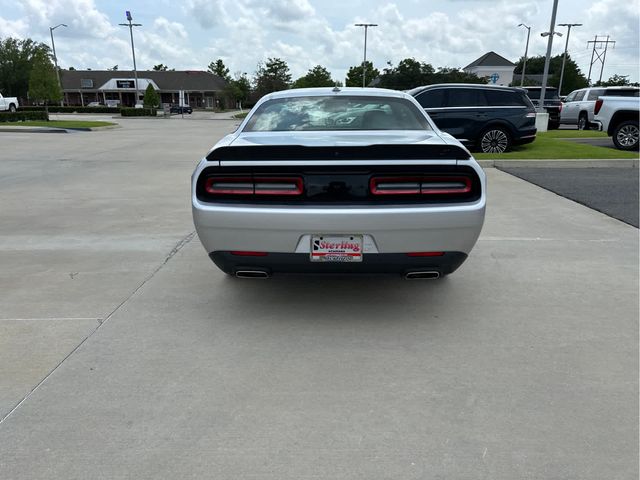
[(579, 104)]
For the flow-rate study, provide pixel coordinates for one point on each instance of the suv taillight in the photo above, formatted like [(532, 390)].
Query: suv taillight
[(598, 106), (254, 186), (420, 185)]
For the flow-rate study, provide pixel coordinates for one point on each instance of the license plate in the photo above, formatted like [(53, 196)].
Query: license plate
[(336, 248)]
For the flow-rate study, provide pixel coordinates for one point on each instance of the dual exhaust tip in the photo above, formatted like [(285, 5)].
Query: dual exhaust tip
[(419, 275)]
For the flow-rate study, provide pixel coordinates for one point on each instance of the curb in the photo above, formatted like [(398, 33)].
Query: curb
[(56, 129), (577, 163)]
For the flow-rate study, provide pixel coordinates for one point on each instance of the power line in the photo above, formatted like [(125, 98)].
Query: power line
[(597, 56)]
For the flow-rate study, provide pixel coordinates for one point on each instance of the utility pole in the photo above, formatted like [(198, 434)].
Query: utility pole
[(55, 60), (599, 57), (133, 50), (545, 73), (364, 62), (526, 51), (566, 46)]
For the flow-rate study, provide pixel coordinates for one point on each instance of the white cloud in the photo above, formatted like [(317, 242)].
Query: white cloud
[(305, 33)]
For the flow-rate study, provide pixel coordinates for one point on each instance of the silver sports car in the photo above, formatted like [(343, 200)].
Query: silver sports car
[(342, 180)]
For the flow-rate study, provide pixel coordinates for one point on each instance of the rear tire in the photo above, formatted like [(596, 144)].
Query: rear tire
[(583, 122), (625, 135), (12, 108), (494, 140)]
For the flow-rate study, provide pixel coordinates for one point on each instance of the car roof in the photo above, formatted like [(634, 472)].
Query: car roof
[(417, 90), (336, 91), (537, 87)]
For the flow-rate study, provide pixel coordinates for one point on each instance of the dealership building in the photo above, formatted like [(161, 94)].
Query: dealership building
[(117, 87), (497, 69)]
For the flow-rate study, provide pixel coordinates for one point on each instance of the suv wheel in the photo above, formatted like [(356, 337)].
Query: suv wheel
[(625, 135), (12, 108), (495, 140), (583, 122)]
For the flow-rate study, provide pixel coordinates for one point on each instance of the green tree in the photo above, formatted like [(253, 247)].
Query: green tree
[(161, 67), (354, 75), (317, 76), (573, 78), (43, 82), (616, 81), (455, 75), (151, 98), (16, 62), (408, 74), (272, 76), (219, 68), (239, 87)]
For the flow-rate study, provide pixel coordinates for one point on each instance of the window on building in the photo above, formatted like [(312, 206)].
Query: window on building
[(86, 83)]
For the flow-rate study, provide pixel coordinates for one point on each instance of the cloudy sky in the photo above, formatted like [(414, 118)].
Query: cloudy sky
[(188, 34)]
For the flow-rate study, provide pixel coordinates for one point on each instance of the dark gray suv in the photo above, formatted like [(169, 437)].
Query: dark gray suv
[(489, 118)]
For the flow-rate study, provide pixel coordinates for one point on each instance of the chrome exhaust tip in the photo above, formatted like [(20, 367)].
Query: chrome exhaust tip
[(252, 274), (423, 275)]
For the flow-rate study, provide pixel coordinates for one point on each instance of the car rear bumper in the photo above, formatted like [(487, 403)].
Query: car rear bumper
[(391, 229), (299, 263)]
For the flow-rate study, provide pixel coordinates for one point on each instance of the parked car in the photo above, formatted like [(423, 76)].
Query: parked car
[(94, 104), (618, 116), (551, 104), (181, 109), (8, 104), (338, 180), (579, 105), (489, 118)]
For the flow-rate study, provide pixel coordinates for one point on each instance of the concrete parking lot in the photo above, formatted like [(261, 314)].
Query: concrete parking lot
[(124, 353)]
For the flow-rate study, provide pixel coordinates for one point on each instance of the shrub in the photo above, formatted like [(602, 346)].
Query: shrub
[(151, 97), (21, 116), (59, 109), (138, 112)]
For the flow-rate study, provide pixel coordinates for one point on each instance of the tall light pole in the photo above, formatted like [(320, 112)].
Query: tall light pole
[(566, 46), (55, 59), (364, 62), (545, 72), (526, 51), (133, 50)]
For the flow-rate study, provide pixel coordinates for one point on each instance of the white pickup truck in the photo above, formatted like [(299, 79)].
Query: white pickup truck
[(8, 104), (618, 116)]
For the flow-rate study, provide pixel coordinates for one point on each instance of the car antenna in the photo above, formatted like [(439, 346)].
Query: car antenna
[(336, 89)]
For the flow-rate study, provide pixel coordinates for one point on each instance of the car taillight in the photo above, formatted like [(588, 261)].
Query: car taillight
[(254, 185), (420, 185), (598, 106)]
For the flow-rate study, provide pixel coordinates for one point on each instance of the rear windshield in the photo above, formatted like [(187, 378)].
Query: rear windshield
[(549, 94), (622, 92), (336, 113)]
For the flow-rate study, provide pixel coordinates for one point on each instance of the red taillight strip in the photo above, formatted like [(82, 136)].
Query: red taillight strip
[(598, 106), (420, 185), (254, 185)]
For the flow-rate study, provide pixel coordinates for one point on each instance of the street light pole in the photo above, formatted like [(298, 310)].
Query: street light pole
[(133, 50), (55, 60), (545, 73), (526, 51), (364, 62), (566, 46)]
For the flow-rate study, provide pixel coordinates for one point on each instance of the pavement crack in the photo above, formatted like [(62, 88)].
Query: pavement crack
[(184, 241)]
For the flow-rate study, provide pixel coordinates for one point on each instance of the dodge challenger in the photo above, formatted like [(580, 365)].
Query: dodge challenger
[(338, 180)]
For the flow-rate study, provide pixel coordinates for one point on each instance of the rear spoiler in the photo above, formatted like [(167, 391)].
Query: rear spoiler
[(370, 152)]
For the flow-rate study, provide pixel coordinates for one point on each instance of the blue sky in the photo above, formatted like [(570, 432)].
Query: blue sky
[(188, 34)]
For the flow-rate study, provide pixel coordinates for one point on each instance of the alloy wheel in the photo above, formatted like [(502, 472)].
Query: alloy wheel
[(628, 135), (494, 141)]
